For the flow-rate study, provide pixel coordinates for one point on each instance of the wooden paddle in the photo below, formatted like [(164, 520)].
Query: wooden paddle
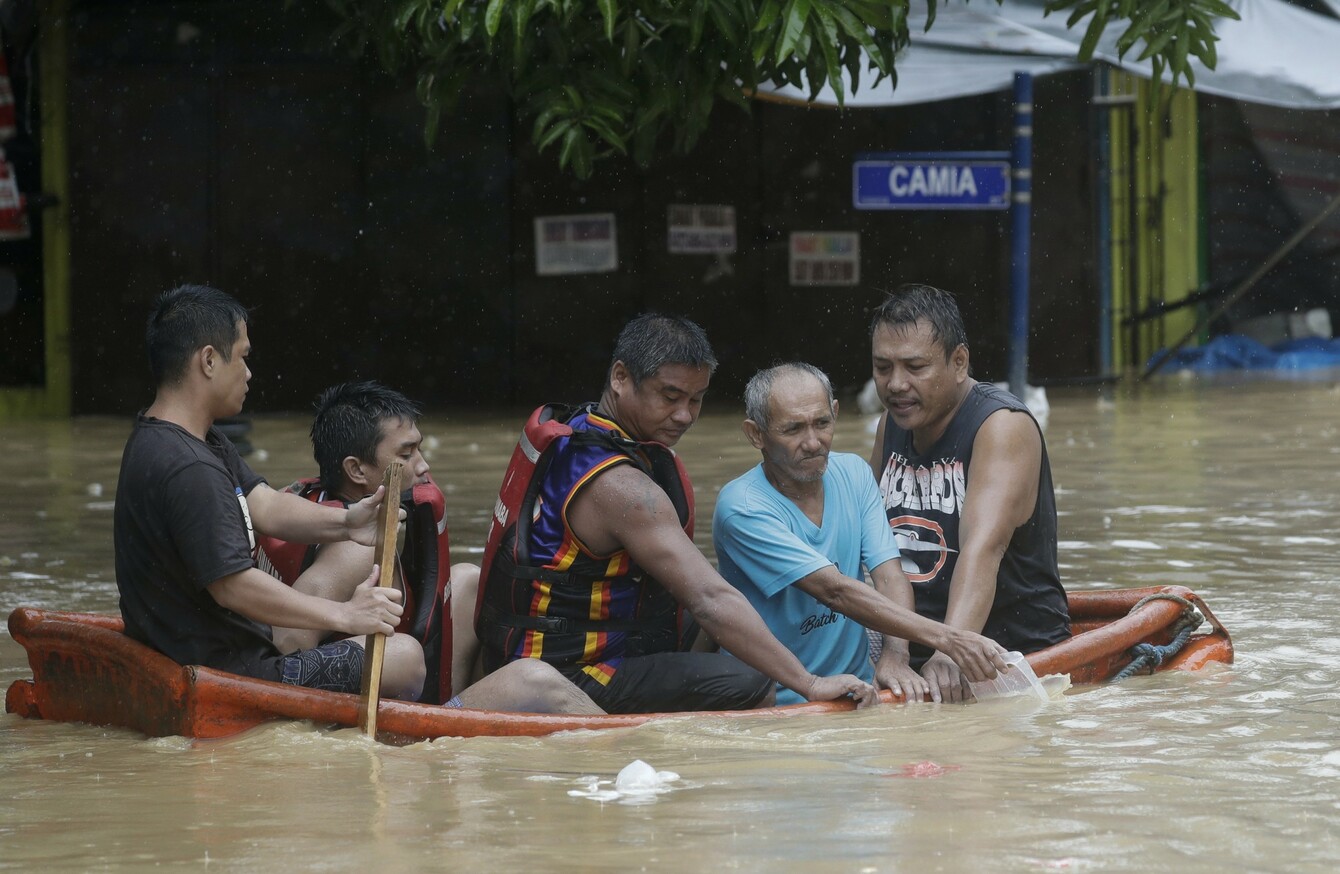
[(388, 526)]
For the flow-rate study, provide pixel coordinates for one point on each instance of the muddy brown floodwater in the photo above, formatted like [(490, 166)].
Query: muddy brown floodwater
[(1232, 489)]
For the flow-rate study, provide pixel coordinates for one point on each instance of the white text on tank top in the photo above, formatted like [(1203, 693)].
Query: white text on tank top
[(911, 491)]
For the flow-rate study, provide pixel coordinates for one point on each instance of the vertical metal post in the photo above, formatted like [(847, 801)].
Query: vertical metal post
[(54, 63), (1021, 208), (1103, 198)]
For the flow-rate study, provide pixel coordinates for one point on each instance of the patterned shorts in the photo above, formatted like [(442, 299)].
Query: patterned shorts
[(876, 641), (334, 667)]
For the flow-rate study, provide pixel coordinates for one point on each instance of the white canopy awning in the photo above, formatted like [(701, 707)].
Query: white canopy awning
[(1277, 54)]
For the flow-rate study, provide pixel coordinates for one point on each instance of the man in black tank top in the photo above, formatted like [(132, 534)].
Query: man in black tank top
[(188, 510), (966, 486)]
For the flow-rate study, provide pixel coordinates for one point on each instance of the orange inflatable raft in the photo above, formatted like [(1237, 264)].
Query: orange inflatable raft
[(86, 670)]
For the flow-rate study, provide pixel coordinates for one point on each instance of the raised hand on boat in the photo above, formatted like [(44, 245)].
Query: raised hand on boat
[(843, 685), (361, 518), (373, 609), (978, 658), (946, 680), (898, 677)]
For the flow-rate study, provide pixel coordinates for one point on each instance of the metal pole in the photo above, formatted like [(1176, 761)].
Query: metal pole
[(1103, 195), (1020, 217)]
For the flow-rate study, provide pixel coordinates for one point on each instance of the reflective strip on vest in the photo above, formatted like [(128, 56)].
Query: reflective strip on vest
[(532, 454)]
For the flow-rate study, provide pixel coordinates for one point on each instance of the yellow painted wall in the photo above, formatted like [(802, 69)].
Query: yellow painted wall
[(1156, 249)]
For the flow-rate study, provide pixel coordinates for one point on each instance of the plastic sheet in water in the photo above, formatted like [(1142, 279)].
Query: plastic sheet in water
[(1237, 352), (637, 783)]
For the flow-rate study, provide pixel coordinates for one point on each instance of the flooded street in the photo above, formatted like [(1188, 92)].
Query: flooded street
[(1230, 489)]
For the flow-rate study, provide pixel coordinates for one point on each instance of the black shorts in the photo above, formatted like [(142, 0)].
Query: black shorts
[(672, 682), (333, 667)]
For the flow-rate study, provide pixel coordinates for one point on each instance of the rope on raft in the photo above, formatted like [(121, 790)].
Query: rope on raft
[(1148, 655)]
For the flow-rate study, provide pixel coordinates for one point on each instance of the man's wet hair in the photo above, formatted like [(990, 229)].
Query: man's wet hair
[(758, 393), (183, 321), (348, 421), (653, 340), (913, 302)]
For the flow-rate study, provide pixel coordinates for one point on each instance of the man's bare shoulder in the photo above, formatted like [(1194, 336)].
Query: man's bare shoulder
[(1003, 478), (617, 507), (1007, 434), (626, 490)]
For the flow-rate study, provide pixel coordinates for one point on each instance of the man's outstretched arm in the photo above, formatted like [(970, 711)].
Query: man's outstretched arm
[(979, 657), (260, 597), (624, 508), (288, 517), (1002, 490)]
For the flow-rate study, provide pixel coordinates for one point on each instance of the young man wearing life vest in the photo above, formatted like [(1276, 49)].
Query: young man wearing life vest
[(360, 429), (590, 563), (187, 511), (793, 533), (966, 486)]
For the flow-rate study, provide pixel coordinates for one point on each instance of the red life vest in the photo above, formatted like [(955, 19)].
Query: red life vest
[(425, 564), (510, 575)]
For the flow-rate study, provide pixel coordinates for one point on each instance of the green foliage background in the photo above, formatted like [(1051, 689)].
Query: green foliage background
[(595, 78)]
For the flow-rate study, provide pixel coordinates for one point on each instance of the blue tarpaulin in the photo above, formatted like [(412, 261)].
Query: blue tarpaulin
[(1236, 352)]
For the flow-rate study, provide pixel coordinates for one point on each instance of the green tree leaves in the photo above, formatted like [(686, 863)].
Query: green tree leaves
[(1168, 31), (602, 77)]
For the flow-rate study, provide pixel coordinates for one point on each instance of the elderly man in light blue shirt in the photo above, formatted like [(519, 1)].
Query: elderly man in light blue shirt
[(793, 534)]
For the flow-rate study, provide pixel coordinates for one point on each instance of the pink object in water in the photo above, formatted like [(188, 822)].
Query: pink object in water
[(924, 770)]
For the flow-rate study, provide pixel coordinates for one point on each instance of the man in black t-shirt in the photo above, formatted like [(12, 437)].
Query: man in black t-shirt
[(188, 507), (966, 484)]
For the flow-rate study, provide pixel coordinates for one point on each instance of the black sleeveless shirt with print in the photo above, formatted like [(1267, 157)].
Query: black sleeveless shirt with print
[(924, 493)]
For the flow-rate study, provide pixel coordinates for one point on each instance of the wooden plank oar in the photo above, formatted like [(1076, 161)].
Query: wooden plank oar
[(388, 526)]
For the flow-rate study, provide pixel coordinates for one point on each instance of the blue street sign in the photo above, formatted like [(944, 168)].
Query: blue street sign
[(965, 180)]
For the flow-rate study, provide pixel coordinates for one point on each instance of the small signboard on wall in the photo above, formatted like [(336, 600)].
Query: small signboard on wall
[(825, 258), (699, 229), (931, 180), (567, 244)]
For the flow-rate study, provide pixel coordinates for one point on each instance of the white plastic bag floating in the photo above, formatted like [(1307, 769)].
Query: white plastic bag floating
[(638, 781), (639, 777)]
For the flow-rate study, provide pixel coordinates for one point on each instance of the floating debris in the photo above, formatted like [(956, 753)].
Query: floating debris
[(637, 783), (924, 770)]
